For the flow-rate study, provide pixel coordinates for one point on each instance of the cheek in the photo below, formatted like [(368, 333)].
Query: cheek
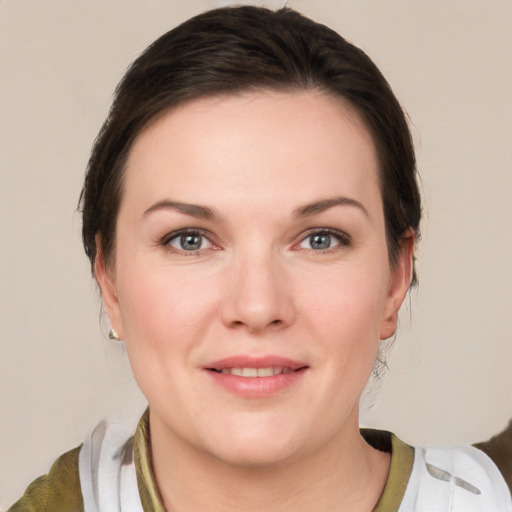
[(165, 314), (349, 302), (164, 305), (345, 317)]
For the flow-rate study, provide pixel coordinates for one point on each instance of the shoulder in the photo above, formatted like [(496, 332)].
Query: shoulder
[(57, 490), (459, 479), (98, 475), (107, 470), (499, 449)]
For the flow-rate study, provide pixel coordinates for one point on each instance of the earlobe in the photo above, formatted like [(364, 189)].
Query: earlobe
[(400, 281), (106, 283)]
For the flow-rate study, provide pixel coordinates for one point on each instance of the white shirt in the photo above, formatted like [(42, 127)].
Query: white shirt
[(442, 480)]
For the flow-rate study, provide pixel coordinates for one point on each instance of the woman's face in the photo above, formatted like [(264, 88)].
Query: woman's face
[(251, 281)]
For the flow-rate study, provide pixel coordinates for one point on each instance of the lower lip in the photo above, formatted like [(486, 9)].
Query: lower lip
[(257, 387)]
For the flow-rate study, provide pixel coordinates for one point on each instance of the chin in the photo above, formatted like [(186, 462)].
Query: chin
[(259, 444), (257, 455)]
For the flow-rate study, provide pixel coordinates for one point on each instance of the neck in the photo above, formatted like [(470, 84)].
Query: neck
[(349, 477)]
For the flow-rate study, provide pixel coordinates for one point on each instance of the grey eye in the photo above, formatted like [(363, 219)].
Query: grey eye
[(323, 240), (320, 241), (189, 242)]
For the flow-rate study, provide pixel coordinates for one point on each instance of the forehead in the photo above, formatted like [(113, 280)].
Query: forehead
[(289, 145)]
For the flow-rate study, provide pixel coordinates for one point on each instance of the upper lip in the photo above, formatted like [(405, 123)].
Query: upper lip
[(245, 361)]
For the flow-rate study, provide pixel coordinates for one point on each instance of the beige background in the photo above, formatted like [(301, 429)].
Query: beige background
[(449, 62)]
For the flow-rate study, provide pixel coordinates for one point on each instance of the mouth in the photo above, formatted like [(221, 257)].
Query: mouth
[(249, 371), (256, 377)]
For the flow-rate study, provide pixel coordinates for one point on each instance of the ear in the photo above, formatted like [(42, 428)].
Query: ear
[(106, 281), (399, 283)]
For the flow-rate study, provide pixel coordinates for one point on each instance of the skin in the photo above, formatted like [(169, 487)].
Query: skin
[(255, 287)]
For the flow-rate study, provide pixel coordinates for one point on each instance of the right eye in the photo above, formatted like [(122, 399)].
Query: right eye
[(188, 241), (325, 240)]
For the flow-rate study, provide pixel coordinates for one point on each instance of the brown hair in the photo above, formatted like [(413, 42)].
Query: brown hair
[(236, 49)]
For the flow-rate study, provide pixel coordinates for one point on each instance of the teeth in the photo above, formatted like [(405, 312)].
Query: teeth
[(256, 372)]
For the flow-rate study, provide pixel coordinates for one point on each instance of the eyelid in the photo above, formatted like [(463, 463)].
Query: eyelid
[(344, 239), (167, 238)]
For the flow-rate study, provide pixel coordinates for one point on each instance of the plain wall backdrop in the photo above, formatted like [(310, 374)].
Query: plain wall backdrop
[(450, 64)]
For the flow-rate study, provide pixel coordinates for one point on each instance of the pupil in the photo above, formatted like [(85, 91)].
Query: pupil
[(320, 241), (191, 242)]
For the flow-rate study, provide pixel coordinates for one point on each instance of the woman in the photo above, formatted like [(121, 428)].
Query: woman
[(250, 212)]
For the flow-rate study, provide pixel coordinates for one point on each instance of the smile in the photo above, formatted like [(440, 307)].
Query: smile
[(256, 372), (256, 377)]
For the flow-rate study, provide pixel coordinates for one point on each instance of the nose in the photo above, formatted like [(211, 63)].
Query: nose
[(258, 296)]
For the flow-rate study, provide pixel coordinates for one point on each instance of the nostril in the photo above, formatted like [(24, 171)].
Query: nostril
[(240, 323)]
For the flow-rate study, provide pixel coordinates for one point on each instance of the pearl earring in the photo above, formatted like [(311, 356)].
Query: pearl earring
[(113, 335)]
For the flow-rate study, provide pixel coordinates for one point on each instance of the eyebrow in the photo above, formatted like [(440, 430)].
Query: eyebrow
[(324, 204), (194, 210), (207, 213)]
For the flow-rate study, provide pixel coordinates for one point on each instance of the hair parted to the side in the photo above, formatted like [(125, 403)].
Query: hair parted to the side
[(238, 49)]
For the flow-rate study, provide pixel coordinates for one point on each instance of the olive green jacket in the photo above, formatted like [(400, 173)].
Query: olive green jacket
[(417, 476)]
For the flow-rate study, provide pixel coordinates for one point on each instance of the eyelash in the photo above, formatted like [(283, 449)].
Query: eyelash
[(167, 239), (344, 240)]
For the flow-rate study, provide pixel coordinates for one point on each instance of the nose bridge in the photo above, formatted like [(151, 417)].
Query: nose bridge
[(259, 295)]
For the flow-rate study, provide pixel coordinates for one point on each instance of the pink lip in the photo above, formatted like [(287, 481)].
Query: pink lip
[(256, 387), (244, 361)]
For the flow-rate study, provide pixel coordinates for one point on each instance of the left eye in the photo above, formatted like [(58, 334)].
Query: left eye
[(191, 241), (322, 241)]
